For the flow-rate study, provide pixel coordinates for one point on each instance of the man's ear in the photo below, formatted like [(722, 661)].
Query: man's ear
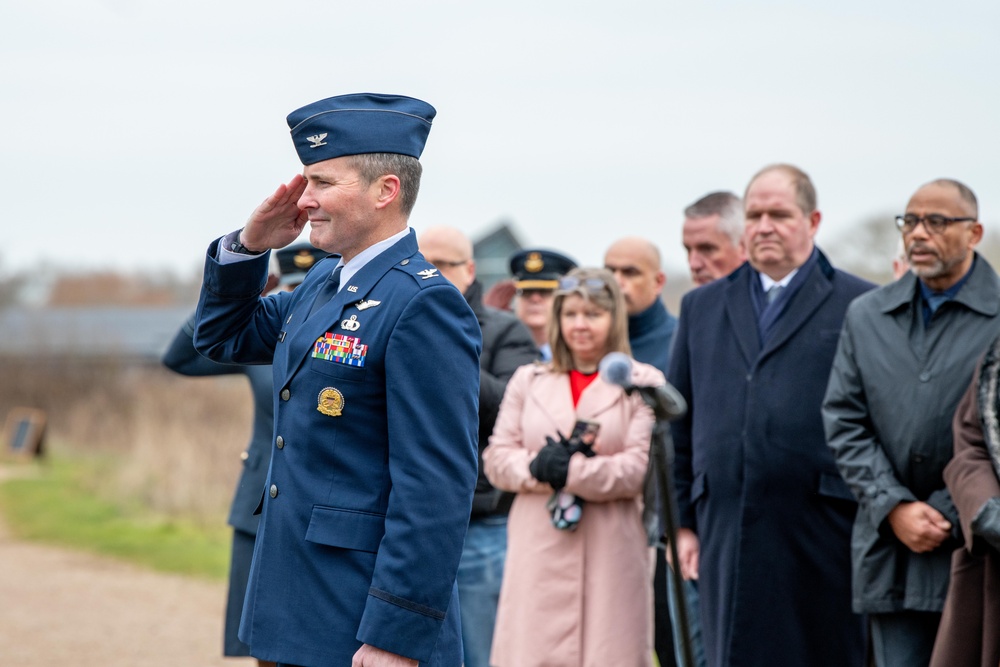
[(976, 234), (814, 219), (389, 190)]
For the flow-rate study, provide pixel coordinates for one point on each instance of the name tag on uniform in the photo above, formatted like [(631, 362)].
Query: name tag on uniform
[(340, 349)]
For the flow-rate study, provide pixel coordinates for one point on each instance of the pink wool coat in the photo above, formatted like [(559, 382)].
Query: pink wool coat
[(581, 598)]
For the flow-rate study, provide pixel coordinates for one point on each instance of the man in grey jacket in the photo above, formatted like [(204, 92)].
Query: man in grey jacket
[(905, 357)]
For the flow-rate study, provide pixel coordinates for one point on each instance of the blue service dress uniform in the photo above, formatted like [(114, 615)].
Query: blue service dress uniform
[(374, 458)]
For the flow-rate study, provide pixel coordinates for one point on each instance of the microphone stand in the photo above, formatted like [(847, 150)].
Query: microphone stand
[(661, 461)]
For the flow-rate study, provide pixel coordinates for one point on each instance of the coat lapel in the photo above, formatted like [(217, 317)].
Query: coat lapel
[(597, 398), (814, 291), (553, 397), (739, 309)]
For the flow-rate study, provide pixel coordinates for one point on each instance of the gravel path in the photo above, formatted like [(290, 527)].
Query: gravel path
[(66, 608)]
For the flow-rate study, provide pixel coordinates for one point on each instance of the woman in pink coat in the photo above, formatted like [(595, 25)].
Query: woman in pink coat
[(577, 584)]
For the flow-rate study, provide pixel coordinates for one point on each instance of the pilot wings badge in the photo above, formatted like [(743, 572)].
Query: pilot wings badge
[(428, 273), (317, 140), (365, 305)]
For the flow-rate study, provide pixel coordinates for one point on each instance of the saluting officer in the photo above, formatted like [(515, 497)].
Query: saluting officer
[(370, 488)]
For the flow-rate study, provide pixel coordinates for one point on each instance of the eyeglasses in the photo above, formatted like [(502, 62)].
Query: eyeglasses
[(592, 285), (933, 223)]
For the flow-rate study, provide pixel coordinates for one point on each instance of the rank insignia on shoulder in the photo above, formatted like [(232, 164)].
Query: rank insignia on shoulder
[(428, 273), (340, 349), (365, 305), (330, 402), (351, 324)]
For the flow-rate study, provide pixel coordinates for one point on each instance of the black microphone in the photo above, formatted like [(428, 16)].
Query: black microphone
[(666, 401)]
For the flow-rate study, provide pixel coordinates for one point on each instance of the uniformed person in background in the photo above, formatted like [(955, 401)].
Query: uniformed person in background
[(288, 269), (536, 276), (369, 489)]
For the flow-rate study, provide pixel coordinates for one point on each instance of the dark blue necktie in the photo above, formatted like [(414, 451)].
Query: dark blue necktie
[(773, 293), (327, 291), (770, 311)]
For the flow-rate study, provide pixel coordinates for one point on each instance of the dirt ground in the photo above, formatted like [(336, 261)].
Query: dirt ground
[(60, 608)]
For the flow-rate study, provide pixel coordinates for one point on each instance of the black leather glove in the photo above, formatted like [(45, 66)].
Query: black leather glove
[(986, 523), (551, 465), (576, 445)]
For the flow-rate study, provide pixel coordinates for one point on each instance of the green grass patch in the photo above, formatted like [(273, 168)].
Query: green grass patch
[(59, 502)]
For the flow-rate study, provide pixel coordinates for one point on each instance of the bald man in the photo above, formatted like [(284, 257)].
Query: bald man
[(507, 344), (905, 358), (636, 264), (637, 267)]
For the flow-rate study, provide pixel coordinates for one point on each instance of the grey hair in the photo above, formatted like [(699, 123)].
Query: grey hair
[(727, 206), (372, 166)]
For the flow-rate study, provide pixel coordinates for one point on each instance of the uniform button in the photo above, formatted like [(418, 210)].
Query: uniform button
[(285, 394), (925, 376), (274, 491), (871, 491), (918, 458), (404, 262), (749, 377), (244, 455), (280, 442)]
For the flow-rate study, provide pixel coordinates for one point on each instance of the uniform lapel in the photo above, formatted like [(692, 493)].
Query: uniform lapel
[(301, 338)]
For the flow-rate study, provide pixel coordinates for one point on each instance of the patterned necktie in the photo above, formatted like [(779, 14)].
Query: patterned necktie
[(327, 291)]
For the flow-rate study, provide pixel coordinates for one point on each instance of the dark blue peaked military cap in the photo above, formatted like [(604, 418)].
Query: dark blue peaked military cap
[(539, 269), (294, 261), (360, 123)]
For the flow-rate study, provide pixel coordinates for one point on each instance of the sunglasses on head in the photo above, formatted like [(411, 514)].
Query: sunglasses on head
[(573, 283)]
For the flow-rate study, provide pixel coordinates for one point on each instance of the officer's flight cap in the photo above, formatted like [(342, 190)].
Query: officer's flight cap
[(360, 123)]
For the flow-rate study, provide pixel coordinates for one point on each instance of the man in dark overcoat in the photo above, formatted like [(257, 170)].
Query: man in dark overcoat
[(376, 374), (765, 517)]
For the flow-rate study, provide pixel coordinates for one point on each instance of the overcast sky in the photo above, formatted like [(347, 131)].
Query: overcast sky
[(132, 132)]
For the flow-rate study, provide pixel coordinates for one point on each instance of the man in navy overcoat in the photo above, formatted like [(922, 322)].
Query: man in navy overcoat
[(376, 374), (765, 516)]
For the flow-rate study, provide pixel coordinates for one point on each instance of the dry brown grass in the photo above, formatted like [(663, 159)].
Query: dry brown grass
[(172, 442)]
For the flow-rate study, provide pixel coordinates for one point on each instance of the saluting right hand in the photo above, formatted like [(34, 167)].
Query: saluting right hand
[(278, 220)]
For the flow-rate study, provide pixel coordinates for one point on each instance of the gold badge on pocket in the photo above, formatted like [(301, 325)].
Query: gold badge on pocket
[(330, 402)]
